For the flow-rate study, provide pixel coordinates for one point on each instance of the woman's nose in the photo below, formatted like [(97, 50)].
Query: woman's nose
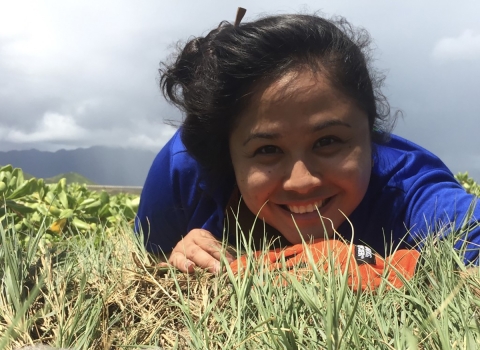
[(300, 179)]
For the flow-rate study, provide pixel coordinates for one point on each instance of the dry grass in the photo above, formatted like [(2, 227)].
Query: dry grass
[(103, 291)]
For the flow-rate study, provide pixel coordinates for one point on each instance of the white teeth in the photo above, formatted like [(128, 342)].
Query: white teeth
[(306, 209)]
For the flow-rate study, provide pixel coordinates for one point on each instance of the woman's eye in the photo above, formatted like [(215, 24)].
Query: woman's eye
[(326, 141), (268, 150)]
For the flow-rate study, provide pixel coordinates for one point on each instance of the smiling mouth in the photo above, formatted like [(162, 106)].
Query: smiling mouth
[(303, 209)]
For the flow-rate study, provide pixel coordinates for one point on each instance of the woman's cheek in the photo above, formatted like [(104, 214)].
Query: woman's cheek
[(358, 171), (357, 165), (257, 180), (255, 186)]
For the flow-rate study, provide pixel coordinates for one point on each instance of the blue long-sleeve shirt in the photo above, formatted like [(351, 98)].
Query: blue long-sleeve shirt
[(411, 194)]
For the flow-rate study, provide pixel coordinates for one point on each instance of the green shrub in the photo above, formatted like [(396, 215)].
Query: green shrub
[(468, 183), (28, 205)]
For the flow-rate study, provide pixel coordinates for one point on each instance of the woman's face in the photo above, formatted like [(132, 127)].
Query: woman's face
[(298, 146)]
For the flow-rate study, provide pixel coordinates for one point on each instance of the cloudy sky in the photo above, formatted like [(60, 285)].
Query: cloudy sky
[(83, 73)]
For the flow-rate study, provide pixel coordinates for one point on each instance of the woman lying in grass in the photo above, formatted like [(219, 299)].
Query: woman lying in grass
[(286, 112)]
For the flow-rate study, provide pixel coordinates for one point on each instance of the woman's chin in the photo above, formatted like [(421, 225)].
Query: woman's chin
[(306, 234)]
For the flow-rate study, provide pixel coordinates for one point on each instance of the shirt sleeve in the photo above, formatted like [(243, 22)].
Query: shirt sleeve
[(174, 200), (440, 205)]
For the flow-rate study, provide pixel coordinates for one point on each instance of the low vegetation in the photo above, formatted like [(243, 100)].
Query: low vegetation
[(93, 286), (70, 178), (32, 205), (468, 183)]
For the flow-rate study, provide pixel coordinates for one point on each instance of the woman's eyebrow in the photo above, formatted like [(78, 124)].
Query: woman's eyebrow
[(316, 127), (261, 135), (329, 123)]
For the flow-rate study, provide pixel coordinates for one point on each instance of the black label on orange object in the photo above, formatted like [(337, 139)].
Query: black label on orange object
[(364, 255)]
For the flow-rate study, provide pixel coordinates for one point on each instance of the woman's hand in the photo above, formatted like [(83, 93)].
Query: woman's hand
[(198, 248)]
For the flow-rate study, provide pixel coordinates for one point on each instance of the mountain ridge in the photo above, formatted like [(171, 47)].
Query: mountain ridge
[(100, 164)]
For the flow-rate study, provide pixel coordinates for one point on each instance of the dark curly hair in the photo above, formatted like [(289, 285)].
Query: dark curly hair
[(212, 77)]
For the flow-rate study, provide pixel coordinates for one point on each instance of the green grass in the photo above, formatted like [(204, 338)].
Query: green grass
[(103, 291), (95, 287)]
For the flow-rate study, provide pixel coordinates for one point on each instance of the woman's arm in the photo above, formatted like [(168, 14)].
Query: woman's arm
[(180, 216), (160, 218), (440, 205)]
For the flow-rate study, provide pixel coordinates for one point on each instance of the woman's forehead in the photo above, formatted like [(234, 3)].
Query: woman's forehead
[(291, 85), (295, 90)]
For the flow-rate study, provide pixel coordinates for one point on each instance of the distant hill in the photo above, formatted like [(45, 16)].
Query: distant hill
[(71, 178), (100, 165), (26, 176)]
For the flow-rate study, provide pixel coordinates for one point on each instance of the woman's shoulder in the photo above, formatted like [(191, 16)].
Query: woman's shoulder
[(184, 171), (400, 163), (398, 147), (174, 157), (174, 147)]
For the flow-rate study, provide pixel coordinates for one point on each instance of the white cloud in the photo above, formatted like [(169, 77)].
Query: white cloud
[(55, 131), (464, 47), (53, 127)]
